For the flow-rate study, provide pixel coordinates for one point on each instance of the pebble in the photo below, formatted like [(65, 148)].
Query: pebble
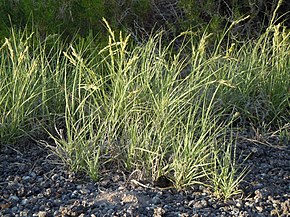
[(42, 214), (13, 198), (47, 189), (24, 202), (54, 177), (260, 209), (26, 178), (23, 213), (14, 209), (84, 191), (156, 200)]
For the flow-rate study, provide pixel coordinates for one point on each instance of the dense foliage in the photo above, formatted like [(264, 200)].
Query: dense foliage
[(139, 17)]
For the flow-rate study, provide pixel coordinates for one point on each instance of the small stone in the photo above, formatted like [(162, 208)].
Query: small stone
[(158, 212), (48, 192), (42, 207), (14, 198), (54, 177), (33, 174), (26, 178), (24, 202), (14, 209), (121, 188), (260, 209), (40, 179), (57, 202), (104, 211), (167, 207), (198, 205), (36, 190), (156, 200), (42, 214), (183, 215), (116, 178), (235, 212), (258, 186), (129, 198), (204, 203), (17, 178), (23, 213), (74, 194), (84, 191)]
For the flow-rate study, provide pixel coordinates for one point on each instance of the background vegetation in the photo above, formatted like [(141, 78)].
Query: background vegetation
[(141, 17)]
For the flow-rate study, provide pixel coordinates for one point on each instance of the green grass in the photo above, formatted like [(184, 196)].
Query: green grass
[(125, 105)]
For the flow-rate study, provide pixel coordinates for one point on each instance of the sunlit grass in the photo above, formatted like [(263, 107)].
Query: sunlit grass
[(145, 107)]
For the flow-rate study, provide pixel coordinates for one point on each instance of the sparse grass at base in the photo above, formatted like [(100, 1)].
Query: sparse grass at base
[(145, 107)]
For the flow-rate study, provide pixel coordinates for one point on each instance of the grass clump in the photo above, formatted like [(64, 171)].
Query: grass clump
[(145, 107), (29, 87)]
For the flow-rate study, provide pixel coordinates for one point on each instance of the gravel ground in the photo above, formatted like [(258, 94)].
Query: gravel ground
[(31, 184)]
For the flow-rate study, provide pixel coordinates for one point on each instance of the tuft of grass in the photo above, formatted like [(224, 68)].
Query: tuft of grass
[(225, 173), (29, 88), (134, 110), (145, 107)]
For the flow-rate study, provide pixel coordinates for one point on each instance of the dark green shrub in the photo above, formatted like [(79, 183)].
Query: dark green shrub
[(70, 16), (139, 17), (218, 15)]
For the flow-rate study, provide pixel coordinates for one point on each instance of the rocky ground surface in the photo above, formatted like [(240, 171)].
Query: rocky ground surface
[(31, 184)]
